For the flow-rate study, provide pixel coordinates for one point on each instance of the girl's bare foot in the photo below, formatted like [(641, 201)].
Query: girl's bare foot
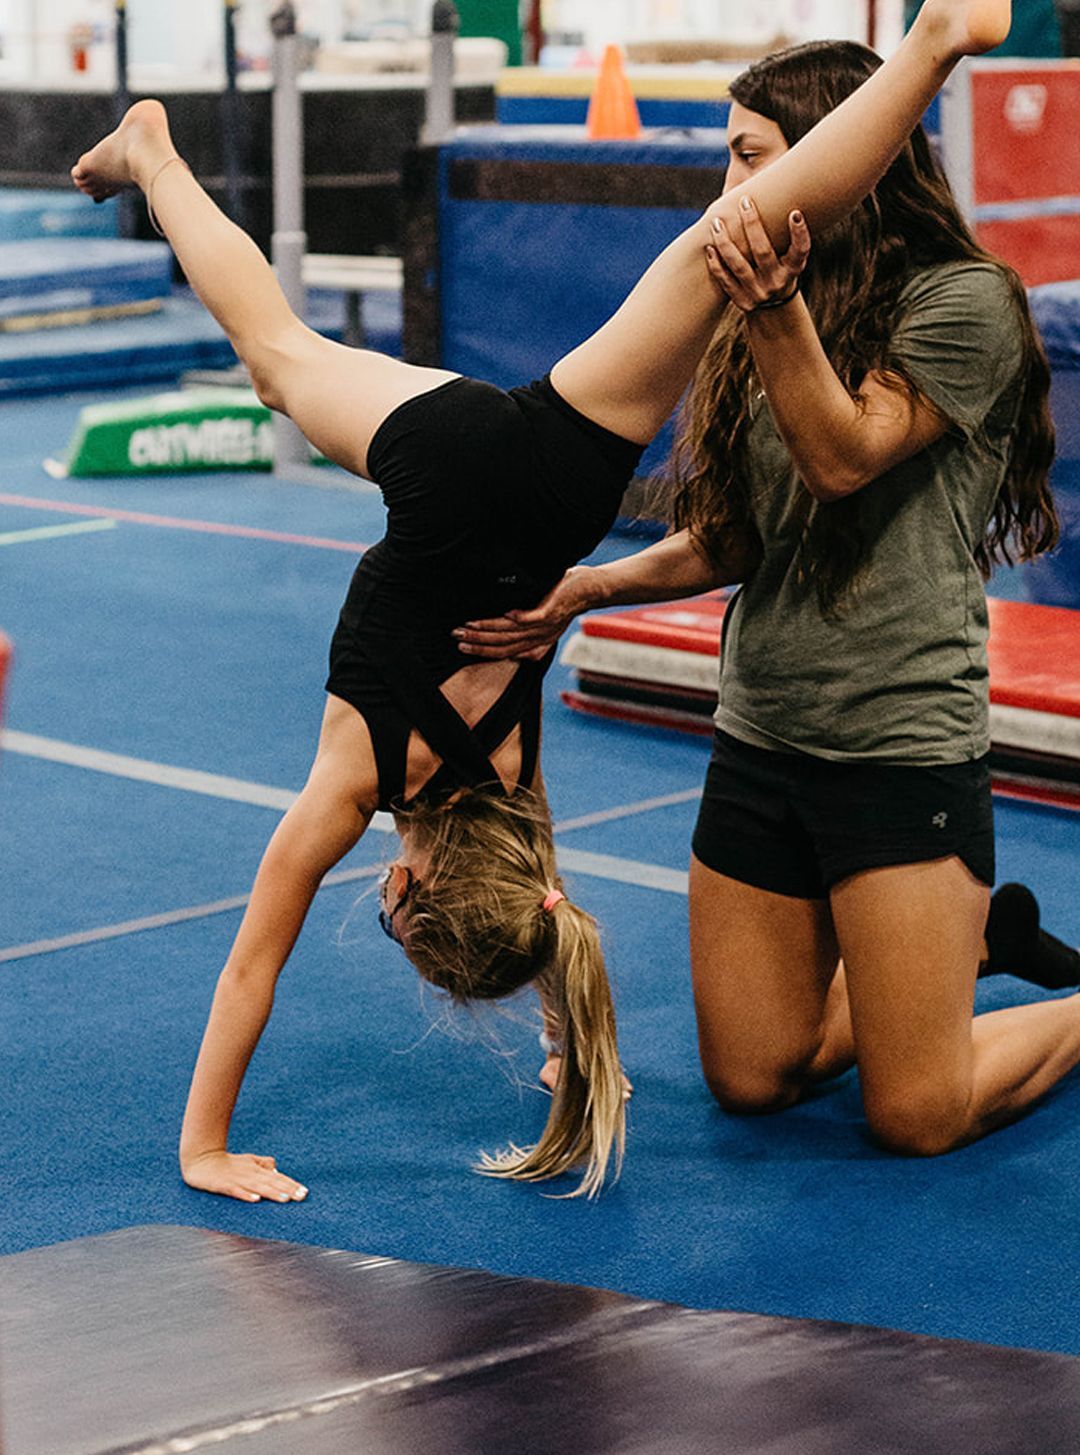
[(128, 156), (967, 27)]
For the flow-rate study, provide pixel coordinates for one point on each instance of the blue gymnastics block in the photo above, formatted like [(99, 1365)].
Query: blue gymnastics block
[(46, 212), (69, 275)]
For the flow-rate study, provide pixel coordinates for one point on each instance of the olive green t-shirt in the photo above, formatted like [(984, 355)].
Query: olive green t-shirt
[(900, 672)]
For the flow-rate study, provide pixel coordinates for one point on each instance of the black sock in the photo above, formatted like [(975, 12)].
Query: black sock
[(1018, 946)]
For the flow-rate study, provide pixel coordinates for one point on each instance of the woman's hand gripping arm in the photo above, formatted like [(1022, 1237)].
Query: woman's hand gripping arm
[(838, 442)]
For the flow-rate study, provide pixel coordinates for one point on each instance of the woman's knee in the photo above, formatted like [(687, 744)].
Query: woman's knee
[(918, 1121), (756, 1090)]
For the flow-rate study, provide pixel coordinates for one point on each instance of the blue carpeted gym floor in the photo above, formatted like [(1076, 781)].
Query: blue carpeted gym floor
[(176, 649)]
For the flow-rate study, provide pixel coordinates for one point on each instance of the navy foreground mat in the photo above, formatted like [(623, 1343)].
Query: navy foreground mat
[(172, 1338)]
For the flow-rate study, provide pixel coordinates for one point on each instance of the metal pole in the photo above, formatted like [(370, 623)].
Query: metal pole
[(439, 118), (957, 144), (230, 120), (289, 241), (123, 97), (125, 203)]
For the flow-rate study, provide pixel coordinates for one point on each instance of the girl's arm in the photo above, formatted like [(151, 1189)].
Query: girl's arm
[(319, 829), (670, 569), (631, 373), (838, 442)]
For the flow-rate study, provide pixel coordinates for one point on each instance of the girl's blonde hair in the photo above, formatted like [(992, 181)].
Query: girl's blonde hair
[(476, 927)]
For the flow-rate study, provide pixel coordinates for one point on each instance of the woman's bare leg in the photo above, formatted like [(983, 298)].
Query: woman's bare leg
[(932, 1077), (771, 1002), (631, 373), (337, 396)]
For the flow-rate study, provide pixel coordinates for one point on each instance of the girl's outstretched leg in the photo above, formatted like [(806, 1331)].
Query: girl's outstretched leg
[(337, 396), (631, 373)]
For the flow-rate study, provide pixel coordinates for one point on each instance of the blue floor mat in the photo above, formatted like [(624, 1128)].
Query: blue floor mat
[(208, 651)]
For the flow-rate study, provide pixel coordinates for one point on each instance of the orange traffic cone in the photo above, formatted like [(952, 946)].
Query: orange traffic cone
[(613, 113)]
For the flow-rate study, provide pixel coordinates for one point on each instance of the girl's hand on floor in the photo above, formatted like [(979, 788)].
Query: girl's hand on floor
[(241, 1175)]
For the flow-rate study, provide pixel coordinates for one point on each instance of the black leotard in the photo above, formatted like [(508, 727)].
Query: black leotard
[(490, 496)]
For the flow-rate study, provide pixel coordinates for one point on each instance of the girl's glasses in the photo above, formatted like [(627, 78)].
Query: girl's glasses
[(387, 911)]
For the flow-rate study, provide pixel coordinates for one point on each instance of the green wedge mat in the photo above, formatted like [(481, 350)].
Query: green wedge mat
[(191, 429)]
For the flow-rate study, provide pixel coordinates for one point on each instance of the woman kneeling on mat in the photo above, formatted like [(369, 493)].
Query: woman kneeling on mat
[(490, 497), (871, 435)]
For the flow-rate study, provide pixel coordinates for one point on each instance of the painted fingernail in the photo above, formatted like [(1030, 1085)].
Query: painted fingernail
[(745, 203), (796, 217), (717, 224)]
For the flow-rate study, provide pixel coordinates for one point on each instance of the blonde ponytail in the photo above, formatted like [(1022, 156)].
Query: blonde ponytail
[(490, 917), (587, 1121)]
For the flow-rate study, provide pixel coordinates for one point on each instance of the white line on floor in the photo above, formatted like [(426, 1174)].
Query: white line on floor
[(627, 810), (170, 917), (47, 532), (214, 785), (164, 775)]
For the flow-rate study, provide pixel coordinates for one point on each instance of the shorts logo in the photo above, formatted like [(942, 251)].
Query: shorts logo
[(939, 820)]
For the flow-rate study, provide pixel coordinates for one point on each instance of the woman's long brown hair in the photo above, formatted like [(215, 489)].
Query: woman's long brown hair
[(852, 286)]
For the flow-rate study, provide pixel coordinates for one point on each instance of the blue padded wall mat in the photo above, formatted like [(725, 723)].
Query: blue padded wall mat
[(572, 111), (50, 275), (1056, 310), (576, 266), (701, 148), (47, 212), (541, 110)]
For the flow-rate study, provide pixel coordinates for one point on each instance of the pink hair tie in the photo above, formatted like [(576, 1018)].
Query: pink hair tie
[(552, 898)]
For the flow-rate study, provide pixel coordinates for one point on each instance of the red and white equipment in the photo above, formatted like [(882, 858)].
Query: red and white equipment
[(1009, 146)]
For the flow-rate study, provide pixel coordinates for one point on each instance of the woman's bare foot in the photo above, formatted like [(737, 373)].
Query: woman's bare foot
[(967, 27), (128, 156)]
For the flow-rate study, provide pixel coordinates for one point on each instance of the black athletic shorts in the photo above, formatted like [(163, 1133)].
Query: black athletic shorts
[(797, 825)]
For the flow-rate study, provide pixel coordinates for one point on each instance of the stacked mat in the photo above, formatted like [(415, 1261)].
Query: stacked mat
[(46, 212), (59, 282)]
